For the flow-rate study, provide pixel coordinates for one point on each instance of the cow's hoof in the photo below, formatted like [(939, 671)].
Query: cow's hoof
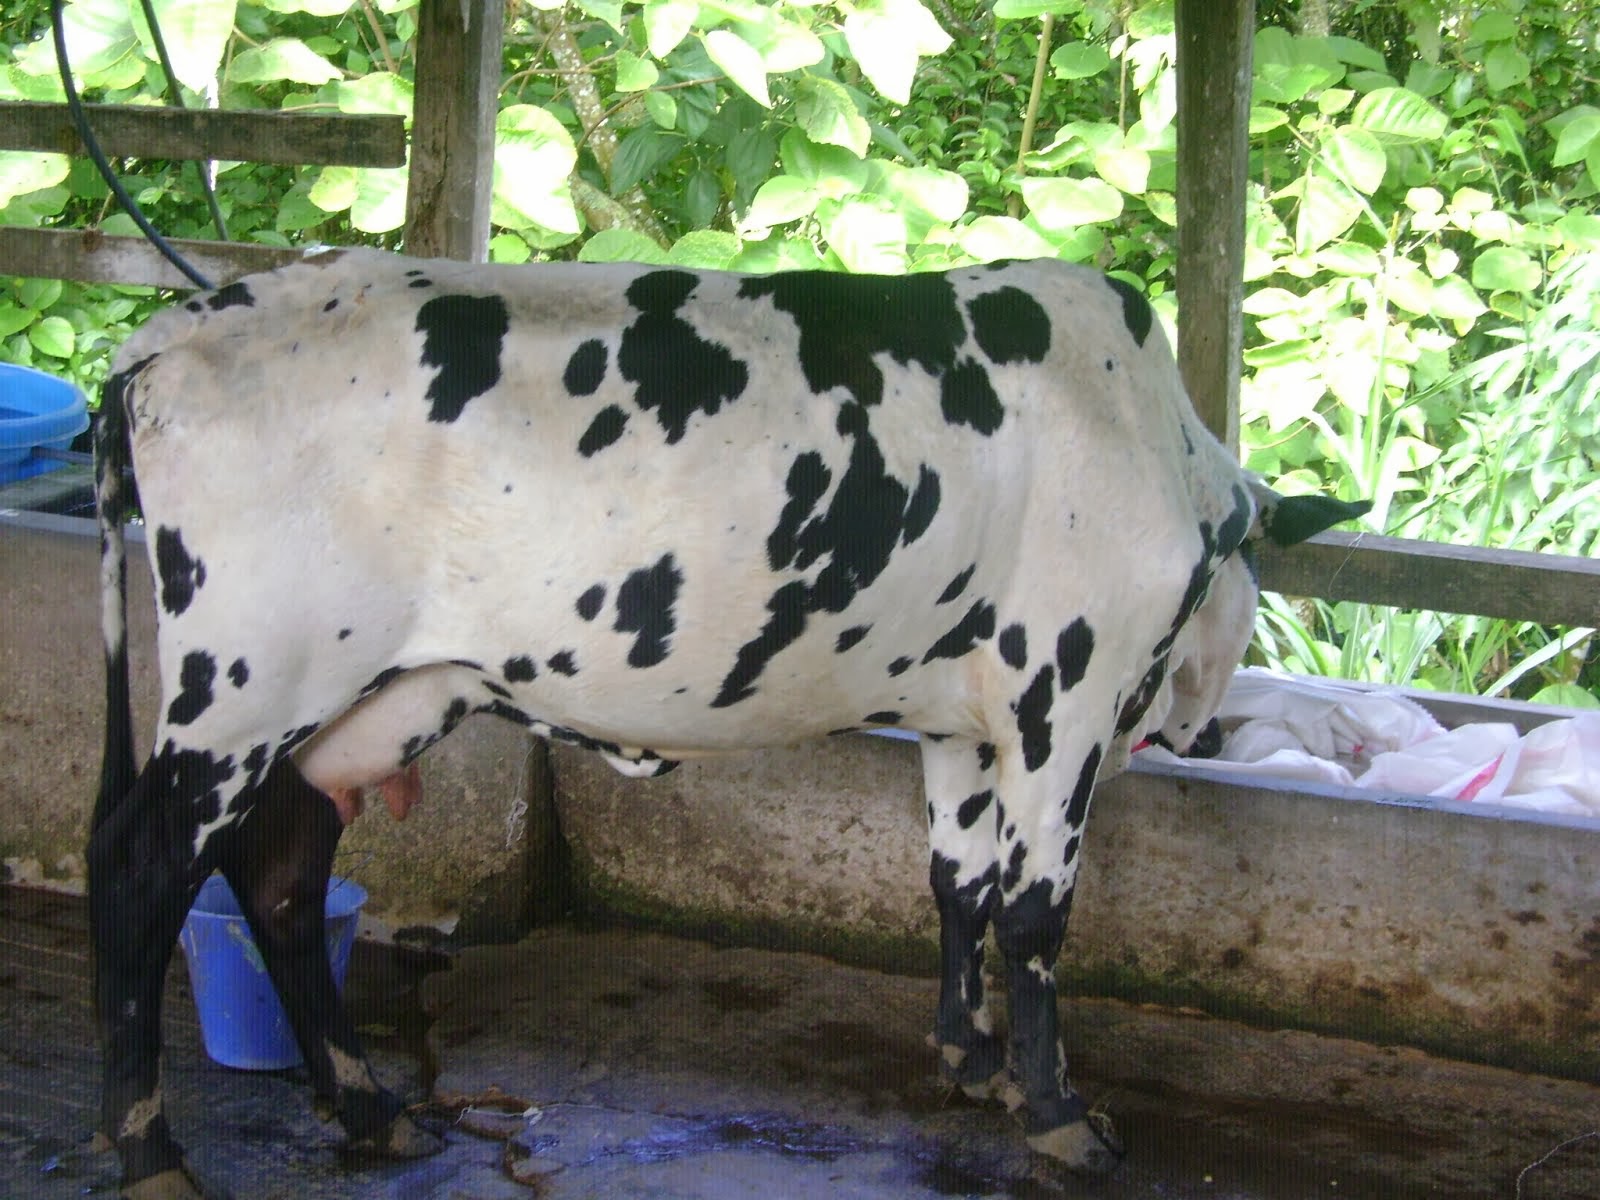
[(979, 1070), (178, 1183), (1089, 1145), (400, 1138)]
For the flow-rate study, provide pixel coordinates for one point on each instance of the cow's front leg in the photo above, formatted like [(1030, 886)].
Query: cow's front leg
[(958, 778), (142, 879), (1039, 837), (278, 862)]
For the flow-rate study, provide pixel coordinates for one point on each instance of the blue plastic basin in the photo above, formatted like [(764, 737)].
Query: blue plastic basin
[(36, 410), (242, 1022)]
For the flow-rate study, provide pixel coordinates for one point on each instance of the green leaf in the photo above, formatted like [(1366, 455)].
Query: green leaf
[(14, 318), (52, 336), (1580, 231), (1328, 207), (1062, 204), (380, 203), (1357, 54), (1424, 200), (741, 62), (1566, 695), (335, 189), (1022, 10), (533, 157), (635, 74), (381, 92), (99, 33), (1079, 60), (640, 154), (316, 8), (1505, 66), (196, 33), (621, 245), (989, 238), (781, 199), (1494, 27), (941, 195), (1399, 114), (1163, 207), (1577, 138), (828, 114), (1335, 100), (887, 37), (509, 248), (1455, 300), (1124, 169), (831, 170), (1349, 258), (609, 11), (790, 46), (1505, 269), (1409, 287), (1153, 18), (1356, 157), (707, 249), (666, 23), (1264, 118), (1270, 301), (663, 109), (24, 171), (281, 59), (867, 238)]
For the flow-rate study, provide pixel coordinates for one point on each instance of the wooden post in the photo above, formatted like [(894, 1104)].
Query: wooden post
[(452, 132), (1215, 44)]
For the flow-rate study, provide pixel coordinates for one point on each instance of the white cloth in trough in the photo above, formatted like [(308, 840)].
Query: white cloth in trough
[(1328, 731)]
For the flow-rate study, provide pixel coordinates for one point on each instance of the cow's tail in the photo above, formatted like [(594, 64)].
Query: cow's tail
[(113, 461)]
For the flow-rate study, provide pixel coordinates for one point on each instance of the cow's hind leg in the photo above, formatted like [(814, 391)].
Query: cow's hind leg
[(278, 861), (142, 878), (958, 778), (1039, 838)]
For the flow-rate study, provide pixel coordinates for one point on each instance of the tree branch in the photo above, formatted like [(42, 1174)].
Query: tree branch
[(632, 209)]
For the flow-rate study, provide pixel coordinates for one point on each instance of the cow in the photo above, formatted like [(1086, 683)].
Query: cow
[(659, 513)]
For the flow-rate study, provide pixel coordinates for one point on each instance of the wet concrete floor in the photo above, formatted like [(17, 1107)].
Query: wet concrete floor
[(615, 1063)]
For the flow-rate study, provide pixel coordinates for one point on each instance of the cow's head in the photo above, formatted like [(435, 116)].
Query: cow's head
[(1211, 645)]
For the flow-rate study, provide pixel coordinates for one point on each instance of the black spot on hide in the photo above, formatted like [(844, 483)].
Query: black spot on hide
[(181, 574), (645, 606), (1010, 326), (462, 336), (676, 372), (195, 677)]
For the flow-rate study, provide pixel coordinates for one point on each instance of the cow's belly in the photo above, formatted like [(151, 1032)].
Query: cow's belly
[(635, 721)]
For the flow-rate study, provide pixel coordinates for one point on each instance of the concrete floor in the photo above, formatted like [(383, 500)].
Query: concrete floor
[(616, 1063)]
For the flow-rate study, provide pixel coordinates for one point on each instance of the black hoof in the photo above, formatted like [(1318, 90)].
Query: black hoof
[(1088, 1146), (401, 1138)]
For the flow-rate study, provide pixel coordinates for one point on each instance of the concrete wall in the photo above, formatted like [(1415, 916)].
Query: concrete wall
[(1468, 931)]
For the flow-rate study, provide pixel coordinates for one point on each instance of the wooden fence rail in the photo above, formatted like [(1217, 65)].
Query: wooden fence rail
[(150, 131)]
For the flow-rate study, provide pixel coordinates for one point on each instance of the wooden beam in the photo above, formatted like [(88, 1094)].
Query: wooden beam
[(452, 137), (94, 257), (1550, 589), (131, 131), (1215, 46)]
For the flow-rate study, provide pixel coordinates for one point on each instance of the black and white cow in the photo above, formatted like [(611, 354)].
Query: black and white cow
[(660, 513)]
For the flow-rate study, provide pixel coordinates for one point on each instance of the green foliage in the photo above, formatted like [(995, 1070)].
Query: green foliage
[(1423, 294)]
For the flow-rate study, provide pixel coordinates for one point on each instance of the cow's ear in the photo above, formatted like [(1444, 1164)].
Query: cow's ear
[(1288, 520)]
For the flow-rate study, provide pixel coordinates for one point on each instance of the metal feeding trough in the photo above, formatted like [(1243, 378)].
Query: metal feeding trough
[(39, 417)]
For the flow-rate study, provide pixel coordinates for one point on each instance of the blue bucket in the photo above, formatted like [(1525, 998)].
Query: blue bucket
[(241, 1021), (37, 411)]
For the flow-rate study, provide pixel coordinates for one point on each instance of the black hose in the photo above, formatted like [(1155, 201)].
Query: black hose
[(175, 100), (80, 121)]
